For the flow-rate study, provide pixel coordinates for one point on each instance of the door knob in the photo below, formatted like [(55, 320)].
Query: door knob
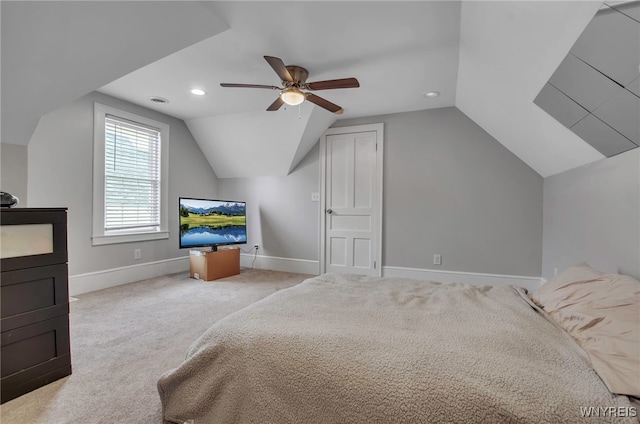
[(329, 211)]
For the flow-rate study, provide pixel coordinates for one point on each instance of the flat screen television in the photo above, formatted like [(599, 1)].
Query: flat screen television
[(211, 223)]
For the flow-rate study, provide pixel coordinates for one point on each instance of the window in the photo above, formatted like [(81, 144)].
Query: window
[(130, 184), (132, 176)]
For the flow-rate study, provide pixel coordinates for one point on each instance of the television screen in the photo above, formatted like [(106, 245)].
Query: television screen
[(205, 222)]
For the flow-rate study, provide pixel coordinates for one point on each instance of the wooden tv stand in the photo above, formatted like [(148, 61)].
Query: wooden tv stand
[(209, 266)]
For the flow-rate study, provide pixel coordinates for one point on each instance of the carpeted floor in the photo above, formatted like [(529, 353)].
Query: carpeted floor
[(125, 337)]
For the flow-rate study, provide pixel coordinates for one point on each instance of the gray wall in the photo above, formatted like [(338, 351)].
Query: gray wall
[(61, 170), (449, 188), (13, 171), (281, 217), (592, 214)]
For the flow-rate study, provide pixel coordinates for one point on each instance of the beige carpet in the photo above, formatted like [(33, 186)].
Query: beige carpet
[(125, 337)]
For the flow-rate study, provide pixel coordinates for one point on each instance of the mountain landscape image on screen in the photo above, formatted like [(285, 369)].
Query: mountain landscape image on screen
[(211, 222)]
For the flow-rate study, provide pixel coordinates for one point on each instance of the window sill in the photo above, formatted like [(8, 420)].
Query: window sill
[(128, 238)]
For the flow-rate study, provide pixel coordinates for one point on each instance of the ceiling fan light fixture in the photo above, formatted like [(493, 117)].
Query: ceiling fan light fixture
[(292, 96), (293, 79)]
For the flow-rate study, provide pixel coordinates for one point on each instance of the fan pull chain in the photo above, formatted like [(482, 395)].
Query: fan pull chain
[(300, 111)]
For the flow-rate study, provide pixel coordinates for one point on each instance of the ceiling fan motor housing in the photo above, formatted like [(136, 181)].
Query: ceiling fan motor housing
[(299, 76)]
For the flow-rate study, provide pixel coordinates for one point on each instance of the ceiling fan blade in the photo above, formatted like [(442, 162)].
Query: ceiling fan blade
[(278, 65), (276, 104), (331, 84), (324, 103), (271, 87)]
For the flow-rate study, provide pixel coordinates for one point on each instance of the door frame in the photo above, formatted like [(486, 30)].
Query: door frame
[(377, 224)]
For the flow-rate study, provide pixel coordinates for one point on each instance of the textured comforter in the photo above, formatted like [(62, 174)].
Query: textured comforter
[(353, 349)]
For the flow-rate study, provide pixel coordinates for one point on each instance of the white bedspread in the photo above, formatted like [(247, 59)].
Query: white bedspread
[(352, 349)]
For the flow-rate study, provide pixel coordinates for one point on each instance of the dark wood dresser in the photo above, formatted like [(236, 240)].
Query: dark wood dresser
[(34, 322)]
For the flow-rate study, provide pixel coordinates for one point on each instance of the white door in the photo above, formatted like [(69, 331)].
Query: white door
[(352, 200)]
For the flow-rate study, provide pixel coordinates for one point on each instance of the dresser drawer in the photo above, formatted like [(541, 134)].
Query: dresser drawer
[(34, 355), (32, 295), (32, 238)]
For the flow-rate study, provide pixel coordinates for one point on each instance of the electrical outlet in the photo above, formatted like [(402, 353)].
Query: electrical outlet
[(137, 254), (437, 259), (256, 246), (315, 196)]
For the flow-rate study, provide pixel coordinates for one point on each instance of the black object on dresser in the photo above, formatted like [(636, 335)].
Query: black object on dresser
[(35, 348)]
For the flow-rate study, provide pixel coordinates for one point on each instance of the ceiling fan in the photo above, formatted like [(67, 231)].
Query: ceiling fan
[(294, 80)]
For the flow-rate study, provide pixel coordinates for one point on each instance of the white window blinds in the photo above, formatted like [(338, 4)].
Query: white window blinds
[(132, 176)]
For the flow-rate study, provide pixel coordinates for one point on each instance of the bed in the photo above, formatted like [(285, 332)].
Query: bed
[(355, 349)]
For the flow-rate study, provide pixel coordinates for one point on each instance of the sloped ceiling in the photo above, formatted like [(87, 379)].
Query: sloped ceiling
[(508, 51), (55, 52), (594, 92), (488, 58), (267, 146)]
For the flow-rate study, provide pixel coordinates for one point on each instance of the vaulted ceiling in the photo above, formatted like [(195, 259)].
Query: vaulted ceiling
[(55, 52), (490, 59), (595, 91)]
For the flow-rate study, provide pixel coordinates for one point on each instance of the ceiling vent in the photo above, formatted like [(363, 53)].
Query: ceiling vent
[(157, 99)]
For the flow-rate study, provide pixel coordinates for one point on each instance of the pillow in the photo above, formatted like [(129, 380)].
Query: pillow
[(602, 313), (553, 291)]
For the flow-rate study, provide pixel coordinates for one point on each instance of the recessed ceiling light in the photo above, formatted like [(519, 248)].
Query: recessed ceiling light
[(431, 94), (198, 92)]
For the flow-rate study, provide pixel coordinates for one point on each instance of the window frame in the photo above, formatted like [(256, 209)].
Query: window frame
[(99, 237)]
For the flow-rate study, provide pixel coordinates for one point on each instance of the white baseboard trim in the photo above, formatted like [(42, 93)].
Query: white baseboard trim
[(301, 266), (98, 280), (530, 283)]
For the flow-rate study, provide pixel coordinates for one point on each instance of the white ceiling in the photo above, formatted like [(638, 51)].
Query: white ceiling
[(489, 59), (397, 52), (55, 52), (508, 52)]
